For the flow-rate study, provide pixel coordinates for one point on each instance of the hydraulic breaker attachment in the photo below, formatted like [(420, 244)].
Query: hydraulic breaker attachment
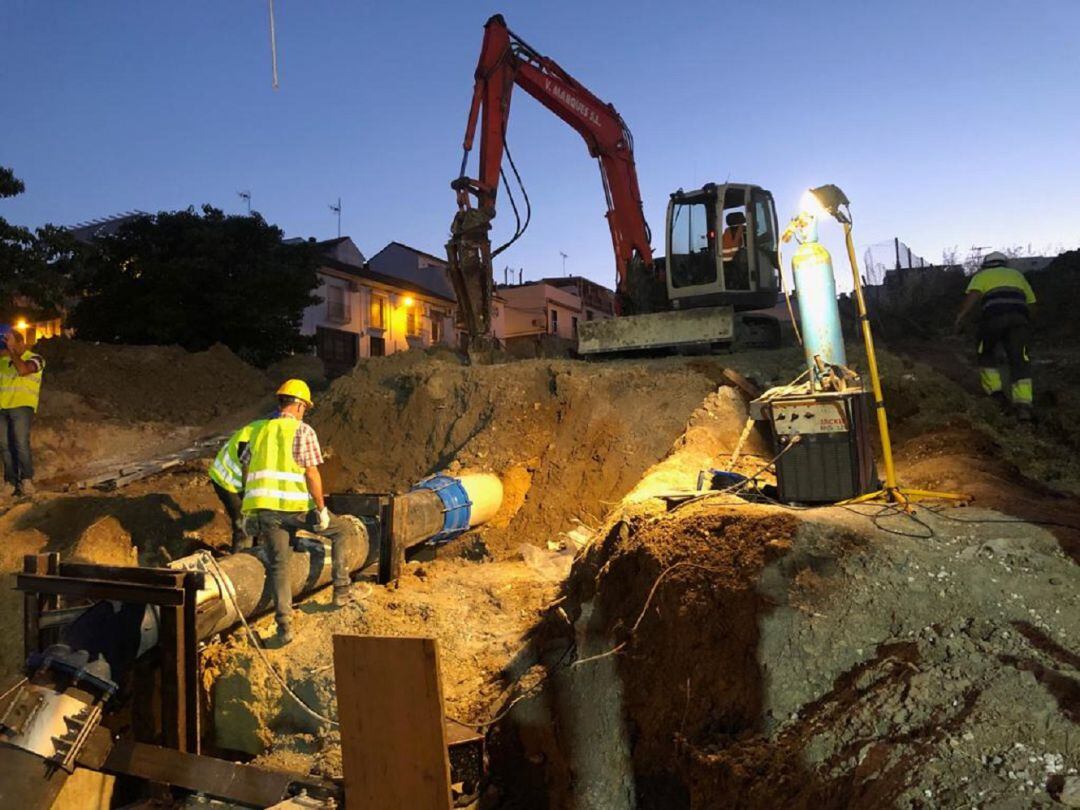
[(469, 254)]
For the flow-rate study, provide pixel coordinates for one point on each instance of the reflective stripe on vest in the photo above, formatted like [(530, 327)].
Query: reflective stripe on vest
[(16, 391), (1004, 299), (225, 470), (274, 480)]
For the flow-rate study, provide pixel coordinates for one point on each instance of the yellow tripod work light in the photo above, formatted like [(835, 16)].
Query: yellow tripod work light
[(833, 201)]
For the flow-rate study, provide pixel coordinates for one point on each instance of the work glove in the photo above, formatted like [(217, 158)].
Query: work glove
[(322, 519)]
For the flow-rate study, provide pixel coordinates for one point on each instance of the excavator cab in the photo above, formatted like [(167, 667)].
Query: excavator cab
[(722, 248)]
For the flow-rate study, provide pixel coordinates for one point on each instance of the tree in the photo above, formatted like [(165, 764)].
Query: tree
[(195, 279), (35, 266), (10, 185)]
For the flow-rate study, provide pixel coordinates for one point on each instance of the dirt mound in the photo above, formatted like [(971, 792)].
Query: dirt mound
[(103, 405), (147, 383), (569, 438), (769, 661)]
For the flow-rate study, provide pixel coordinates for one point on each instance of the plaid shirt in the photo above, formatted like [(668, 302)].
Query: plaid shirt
[(305, 449)]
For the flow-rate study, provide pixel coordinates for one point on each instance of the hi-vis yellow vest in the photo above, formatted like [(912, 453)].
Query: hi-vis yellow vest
[(274, 480), (225, 471), (16, 391)]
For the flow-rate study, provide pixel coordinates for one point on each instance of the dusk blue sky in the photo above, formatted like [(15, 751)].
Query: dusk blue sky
[(947, 123)]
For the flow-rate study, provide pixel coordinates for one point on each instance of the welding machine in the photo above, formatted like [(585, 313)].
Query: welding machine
[(822, 441)]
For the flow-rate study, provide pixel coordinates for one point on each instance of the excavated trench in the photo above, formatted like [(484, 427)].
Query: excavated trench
[(569, 441), (717, 654), (725, 655)]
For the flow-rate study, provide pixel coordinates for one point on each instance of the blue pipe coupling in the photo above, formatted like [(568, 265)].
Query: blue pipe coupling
[(468, 499), (457, 508)]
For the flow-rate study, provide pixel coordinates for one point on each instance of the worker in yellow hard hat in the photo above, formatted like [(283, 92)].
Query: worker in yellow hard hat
[(283, 493), (1006, 303)]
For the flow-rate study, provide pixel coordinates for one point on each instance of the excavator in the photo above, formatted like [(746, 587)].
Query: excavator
[(722, 252)]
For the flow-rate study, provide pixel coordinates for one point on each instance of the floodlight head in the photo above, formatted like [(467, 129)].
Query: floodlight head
[(832, 199)]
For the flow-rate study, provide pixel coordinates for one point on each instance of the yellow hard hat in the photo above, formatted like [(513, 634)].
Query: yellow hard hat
[(297, 389)]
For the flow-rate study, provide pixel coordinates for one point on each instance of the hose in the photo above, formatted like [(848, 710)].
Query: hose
[(787, 292), (221, 580)]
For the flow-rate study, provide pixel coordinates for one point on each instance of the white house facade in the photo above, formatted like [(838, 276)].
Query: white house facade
[(368, 312)]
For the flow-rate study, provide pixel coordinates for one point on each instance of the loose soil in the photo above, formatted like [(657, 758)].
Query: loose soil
[(103, 405), (832, 657), (570, 438)]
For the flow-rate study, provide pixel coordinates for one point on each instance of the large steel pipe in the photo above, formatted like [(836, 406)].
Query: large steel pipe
[(237, 585)]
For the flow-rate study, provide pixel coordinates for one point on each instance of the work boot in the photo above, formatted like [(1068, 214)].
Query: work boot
[(341, 597), (1024, 413), (284, 635), (26, 487), (1000, 400)]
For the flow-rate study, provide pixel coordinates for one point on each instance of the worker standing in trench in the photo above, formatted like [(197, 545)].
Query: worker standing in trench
[(283, 493), (1004, 323), (20, 390)]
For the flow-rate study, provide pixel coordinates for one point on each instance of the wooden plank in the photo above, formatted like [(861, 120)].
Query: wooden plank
[(216, 778), (390, 706), (190, 664)]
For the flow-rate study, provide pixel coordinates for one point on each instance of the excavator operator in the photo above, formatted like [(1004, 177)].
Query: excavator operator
[(736, 268)]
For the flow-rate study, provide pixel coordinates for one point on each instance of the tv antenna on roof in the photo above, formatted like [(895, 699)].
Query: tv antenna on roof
[(246, 197), (977, 253), (337, 210), (563, 262)]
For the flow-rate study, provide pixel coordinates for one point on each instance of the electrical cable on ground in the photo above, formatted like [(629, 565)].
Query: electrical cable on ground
[(641, 616), (219, 577), (735, 488), (940, 512), (495, 718)]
